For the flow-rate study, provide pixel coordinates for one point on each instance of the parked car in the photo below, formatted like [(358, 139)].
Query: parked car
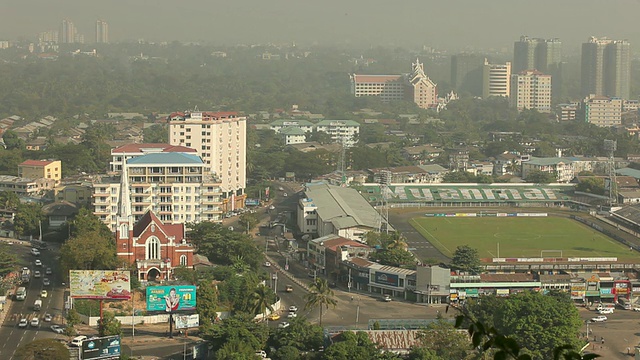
[(77, 341), (387, 298), (289, 288), (636, 308), (600, 318), (292, 315), (283, 325), (273, 317), (57, 329), (293, 308), (261, 353), (267, 264), (605, 311)]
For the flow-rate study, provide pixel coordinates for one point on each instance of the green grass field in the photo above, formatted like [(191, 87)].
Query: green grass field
[(518, 237)]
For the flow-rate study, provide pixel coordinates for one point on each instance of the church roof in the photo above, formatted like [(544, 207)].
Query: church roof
[(172, 230)]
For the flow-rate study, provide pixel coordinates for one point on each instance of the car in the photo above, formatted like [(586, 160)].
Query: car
[(285, 194), (293, 308), (35, 322), (292, 315), (267, 264), (43, 293), (57, 329), (36, 274), (636, 308), (281, 188), (38, 262), (600, 318), (47, 317), (35, 252), (77, 341), (272, 207), (289, 288), (261, 353), (283, 325), (387, 298), (605, 311), (46, 282), (23, 323), (273, 317), (48, 271)]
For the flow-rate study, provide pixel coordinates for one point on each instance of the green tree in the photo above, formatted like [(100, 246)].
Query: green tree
[(12, 141), (394, 257), (9, 200), (466, 258), (260, 300), (247, 221), (43, 349), (239, 328), (156, 133), (185, 275), (85, 222), (28, 219), (73, 319), (540, 177), (223, 246), (207, 305), (88, 251), (109, 325), (445, 341), (593, 185), (354, 346), (8, 260), (320, 295), (422, 353)]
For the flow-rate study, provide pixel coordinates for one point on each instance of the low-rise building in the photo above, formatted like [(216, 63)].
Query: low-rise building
[(324, 254), (562, 168), (566, 112), (421, 154), (304, 125), (25, 187), (422, 174), (37, 169), (59, 213), (293, 135), (602, 111), (342, 131)]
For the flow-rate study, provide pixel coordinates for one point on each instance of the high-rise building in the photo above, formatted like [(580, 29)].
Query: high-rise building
[(536, 53), (606, 68), (415, 86), (531, 89), (602, 111), (496, 79), (220, 138), (102, 32), (466, 73), (68, 33)]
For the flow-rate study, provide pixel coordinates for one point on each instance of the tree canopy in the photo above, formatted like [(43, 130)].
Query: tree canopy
[(43, 349), (320, 295), (466, 258)]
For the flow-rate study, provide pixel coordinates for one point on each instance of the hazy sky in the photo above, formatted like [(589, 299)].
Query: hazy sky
[(443, 23)]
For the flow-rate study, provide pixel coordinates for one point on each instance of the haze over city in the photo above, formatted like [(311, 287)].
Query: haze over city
[(445, 24)]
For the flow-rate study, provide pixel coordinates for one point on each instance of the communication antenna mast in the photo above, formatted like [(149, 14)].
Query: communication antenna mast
[(342, 161), (383, 205), (610, 146)]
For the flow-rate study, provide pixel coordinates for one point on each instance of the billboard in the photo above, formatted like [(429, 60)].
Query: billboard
[(186, 321), (100, 284), (171, 298), (103, 348), (386, 279), (252, 202)]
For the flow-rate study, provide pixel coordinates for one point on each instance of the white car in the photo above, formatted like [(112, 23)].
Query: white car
[(293, 308), (605, 311), (636, 308), (44, 293), (23, 323), (35, 252), (267, 264), (292, 315), (262, 354), (38, 262), (600, 318), (35, 322), (47, 317), (387, 298), (46, 282), (36, 274), (57, 329), (283, 325)]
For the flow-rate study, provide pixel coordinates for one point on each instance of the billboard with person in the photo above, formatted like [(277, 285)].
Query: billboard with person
[(171, 298), (100, 284)]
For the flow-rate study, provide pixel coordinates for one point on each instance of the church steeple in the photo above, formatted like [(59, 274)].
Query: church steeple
[(125, 219)]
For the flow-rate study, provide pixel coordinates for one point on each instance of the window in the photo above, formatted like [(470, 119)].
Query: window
[(152, 248), (183, 260)]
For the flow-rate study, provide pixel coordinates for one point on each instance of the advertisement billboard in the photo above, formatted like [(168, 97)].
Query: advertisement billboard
[(252, 202), (186, 321), (386, 279), (171, 298), (103, 348), (100, 284)]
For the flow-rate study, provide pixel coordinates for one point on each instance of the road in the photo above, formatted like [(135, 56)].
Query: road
[(620, 332), (12, 336)]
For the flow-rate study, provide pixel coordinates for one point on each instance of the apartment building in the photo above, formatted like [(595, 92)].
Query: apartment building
[(466, 73), (220, 139), (531, 89), (606, 68), (304, 125), (343, 131), (562, 168), (123, 153), (566, 112), (26, 187), (175, 186), (496, 79), (602, 111), (536, 54), (37, 169)]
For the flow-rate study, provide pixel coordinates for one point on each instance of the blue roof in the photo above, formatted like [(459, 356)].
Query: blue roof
[(629, 172), (166, 158)]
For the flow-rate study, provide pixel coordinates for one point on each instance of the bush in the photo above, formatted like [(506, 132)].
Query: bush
[(87, 307)]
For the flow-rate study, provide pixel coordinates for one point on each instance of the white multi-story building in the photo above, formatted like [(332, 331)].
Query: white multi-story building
[(567, 112), (279, 125), (123, 153), (562, 168), (343, 131), (175, 186), (531, 89), (293, 135), (602, 111), (220, 139), (496, 79)]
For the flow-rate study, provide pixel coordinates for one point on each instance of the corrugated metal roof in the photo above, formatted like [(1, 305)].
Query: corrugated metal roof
[(166, 158)]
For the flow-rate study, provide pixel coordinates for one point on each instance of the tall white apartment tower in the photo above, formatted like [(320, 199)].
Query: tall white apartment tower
[(102, 32), (220, 138), (496, 79)]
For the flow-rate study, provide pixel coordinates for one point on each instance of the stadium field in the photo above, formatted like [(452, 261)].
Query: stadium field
[(518, 237)]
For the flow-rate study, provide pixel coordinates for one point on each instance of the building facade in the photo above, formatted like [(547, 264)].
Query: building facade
[(531, 89), (421, 90), (220, 139), (466, 73), (102, 32), (606, 68), (121, 154), (176, 186), (536, 54), (37, 169), (341, 131), (562, 168), (602, 111), (304, 125), (567, 112), (496, 79)]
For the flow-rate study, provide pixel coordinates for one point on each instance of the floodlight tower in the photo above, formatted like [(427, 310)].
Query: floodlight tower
[(610, 146), (385, 180)]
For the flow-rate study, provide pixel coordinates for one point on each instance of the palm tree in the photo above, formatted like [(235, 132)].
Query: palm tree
[(259, 301), (320, 295)]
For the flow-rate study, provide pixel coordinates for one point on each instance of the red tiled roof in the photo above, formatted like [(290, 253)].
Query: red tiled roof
[(36, 162), (130, 148), (333, 244), (361, 262), (176, 230), (207, 114), (376, 78)]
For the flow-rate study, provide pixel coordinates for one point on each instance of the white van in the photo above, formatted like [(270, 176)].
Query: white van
[(77, 341)]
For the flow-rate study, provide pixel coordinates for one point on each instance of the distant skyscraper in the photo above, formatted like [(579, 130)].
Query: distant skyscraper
[(606, 68), (538, 54), (102, 32), (496, 79), (68, 33), (466, 73)]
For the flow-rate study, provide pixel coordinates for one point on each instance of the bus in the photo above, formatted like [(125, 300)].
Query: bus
[(21, 294)]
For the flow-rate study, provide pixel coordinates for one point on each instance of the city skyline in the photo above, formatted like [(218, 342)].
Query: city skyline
[(442, 25)]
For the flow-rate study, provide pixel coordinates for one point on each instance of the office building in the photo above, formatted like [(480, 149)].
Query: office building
[(531, 89), (415, 86), (466, 73), (602, 111), (606, 68), (220, 139), (496, 79), (102, 32), (38, 169), (536, 53), (175, 186)]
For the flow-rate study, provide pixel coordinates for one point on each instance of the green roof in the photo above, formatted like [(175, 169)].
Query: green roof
[(629, 172), (548, 161), (291, 122), (338, 122), (166, 158), (292, 130)]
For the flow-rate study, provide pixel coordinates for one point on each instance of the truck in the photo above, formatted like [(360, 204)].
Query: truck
[(37, 305), (25, 276), (21, 293)]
